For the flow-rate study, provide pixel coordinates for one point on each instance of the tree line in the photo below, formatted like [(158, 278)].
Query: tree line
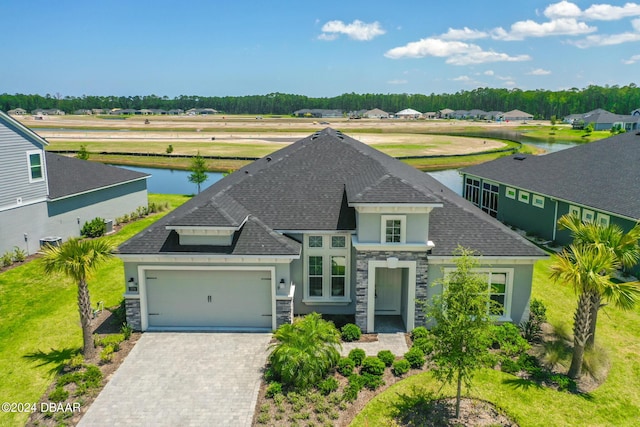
[(543, 104)]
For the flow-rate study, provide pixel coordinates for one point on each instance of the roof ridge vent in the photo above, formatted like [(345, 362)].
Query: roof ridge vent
[(519, 157)]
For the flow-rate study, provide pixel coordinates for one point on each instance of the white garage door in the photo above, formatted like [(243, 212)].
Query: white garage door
[(214, 298)]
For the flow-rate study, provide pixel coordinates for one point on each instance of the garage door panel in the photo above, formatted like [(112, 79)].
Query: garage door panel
[(200, 298)]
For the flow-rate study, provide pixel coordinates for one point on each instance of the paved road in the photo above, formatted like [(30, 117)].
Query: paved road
[(184, 379)]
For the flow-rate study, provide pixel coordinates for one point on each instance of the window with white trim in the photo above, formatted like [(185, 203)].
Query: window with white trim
[(537, 201), (602, 219), (36, 169), (500, 287), (574, 210), (472, 190), (393, 229), (523, 196), (510, 193), (588, 215), (326, 261)]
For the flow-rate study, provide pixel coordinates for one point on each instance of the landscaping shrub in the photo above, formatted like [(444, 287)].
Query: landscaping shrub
[(94, 228), (425, 344), (507, 338), (372, 381), (305, 351), (357, 355), (372, 365), (19, 255), (7, 259), (113, 340), (415, 357), (563, 382), (351, 332), (59, 394), (328, 386), (346, 366), (107, 354), (76, 361), (356, 382), (126, 330), (419, 332), (273, 389), (532, 328), (509, 366), (400, 367), (386, 356)]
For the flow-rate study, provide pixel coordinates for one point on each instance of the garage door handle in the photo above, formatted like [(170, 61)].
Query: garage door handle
[(209, 298), (154, 314)]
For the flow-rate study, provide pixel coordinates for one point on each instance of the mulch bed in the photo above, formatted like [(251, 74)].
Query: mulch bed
[(103, 325)]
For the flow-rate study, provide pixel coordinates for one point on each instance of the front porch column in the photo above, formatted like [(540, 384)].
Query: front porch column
[(362, 294)]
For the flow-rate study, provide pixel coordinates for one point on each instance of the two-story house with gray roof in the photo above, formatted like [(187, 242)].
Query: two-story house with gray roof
[(46, 197), (326, 224)]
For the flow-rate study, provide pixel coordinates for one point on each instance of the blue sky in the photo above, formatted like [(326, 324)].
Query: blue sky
[(326, 48)]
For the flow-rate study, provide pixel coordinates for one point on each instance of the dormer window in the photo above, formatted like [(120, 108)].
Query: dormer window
[(393, 229)]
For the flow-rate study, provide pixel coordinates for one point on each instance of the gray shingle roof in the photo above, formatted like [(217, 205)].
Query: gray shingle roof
[(68, 176), (602, 174), (309, 185)]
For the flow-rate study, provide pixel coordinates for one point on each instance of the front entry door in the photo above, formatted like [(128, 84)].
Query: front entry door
[(388, 291)]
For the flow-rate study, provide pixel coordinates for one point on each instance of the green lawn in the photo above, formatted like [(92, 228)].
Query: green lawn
[(616, 402), (39, 320)]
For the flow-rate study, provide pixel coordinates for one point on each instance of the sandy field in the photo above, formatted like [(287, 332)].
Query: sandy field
[(397, 137)]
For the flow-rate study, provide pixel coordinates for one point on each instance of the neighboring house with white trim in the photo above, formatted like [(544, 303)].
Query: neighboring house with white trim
[(46, 197), (408, 113), (326, 224), (598, 182)]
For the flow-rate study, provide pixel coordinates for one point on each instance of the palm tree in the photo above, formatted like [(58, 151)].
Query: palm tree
[(588, 269), (306, 350), (78, 259), (626, 250)]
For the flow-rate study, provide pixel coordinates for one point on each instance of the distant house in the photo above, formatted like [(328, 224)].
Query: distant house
[(445, 113), (514, 115), (430, 115), (596, 181), (46, 198), (357, 114), (493, 115), (605, 120), (636, 112), (327, 224), (98, 111), (460, 114), (376, 113), (83, 112), (175, 112), (476, 114), (408, 113), (48, 112), (17, 112)]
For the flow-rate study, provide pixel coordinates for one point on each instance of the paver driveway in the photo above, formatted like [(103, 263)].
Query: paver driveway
[(184, 379)]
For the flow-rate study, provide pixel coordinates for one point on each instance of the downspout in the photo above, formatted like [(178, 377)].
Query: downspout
[(555, 222)]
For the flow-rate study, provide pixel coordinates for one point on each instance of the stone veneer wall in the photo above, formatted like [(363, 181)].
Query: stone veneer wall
[(362, 281), (284, 311), (132, 309)]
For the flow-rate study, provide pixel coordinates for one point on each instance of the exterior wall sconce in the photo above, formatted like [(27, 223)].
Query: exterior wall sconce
[(281, 284), (392, 262), (133, 285)]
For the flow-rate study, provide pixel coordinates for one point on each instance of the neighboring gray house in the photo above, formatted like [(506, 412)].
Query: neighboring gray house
[(318, 113), (605, 120), (17, 112), (46, 197), (445, 113), (376, 113), (326, 224), (598, 182), (515, 115)]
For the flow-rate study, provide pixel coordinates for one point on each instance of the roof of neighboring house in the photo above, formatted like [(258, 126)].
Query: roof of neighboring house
[(376, 112), (516, 113), (605, 117), (313, 185), (602, 174), (408, 112), (68, 176)]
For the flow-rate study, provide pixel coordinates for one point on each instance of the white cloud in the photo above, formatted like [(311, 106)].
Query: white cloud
[(463, 34), (483, 57), (561, 26), (398, 82), (564, 9), (607, 40), (539, 72), (462, 79), (596, 12), (607, 12), (488, 73), (456, 52), (632, 60), (357, 30)]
